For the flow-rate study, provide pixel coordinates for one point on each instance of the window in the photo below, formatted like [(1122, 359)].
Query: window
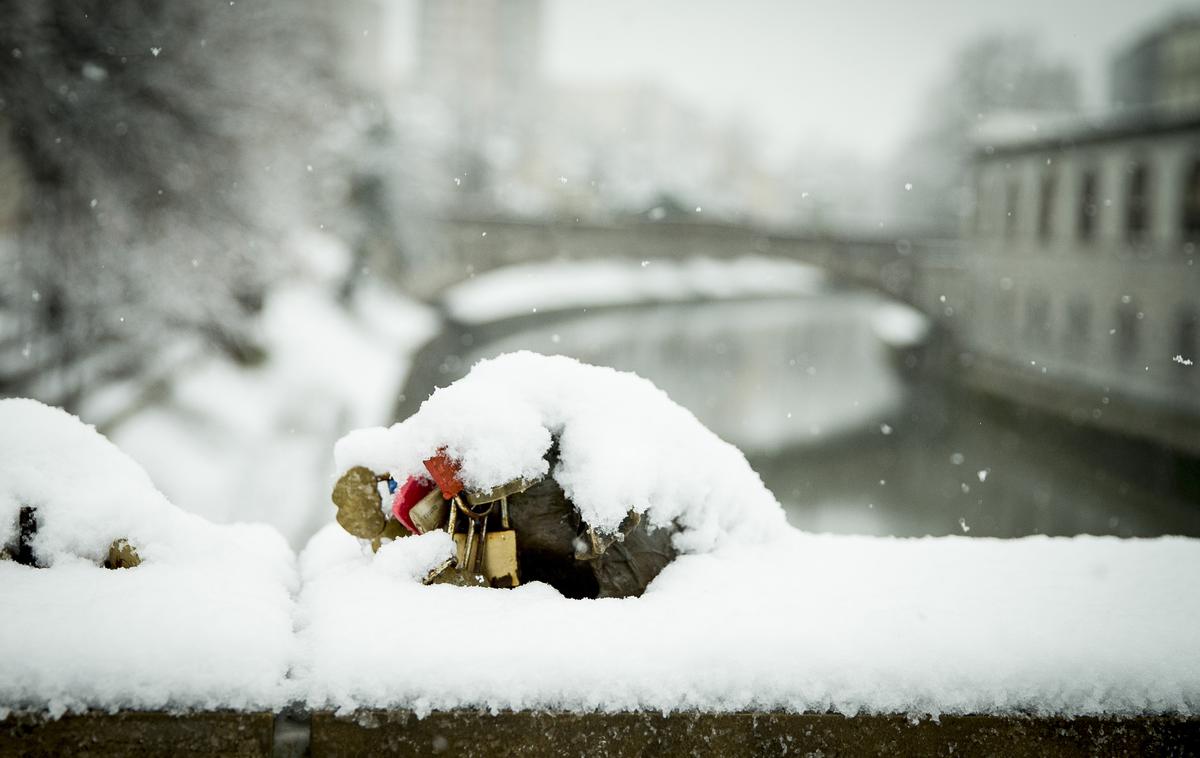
[(977, 210), (1079, 325), (1046, 207), (1037, 317), (1010, 220), (1191, 204), (1006, 316), (1087, 206), (1125, 345), (1137, 209)]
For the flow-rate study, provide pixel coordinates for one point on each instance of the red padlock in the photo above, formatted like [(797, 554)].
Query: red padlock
[(445, 474), (409, 494)]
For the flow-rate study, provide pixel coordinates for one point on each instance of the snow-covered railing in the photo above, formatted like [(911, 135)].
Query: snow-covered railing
[(755, 629), (540, 733)]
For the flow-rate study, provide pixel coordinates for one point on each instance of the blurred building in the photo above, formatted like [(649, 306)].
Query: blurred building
[(1079, 286), (480, 54), (503, 141), (1161, 69)]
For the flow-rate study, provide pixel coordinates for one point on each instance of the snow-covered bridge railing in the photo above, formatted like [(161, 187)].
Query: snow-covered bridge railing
[(751, 633), (473, 733)]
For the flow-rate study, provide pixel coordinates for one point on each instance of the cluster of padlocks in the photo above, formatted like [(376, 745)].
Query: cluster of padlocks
[(477, 521), (519, 532)]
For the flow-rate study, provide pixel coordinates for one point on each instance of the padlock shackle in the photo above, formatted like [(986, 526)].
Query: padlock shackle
[(473, 514)]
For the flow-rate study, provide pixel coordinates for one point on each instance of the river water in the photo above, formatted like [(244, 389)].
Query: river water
[(850, 434)]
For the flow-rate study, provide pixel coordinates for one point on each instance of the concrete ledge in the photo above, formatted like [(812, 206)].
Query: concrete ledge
[(474, 733), (138, 733), (469, 733)]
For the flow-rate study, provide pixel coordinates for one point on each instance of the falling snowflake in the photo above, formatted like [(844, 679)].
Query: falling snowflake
[(1183, 361), (155, 51), (962, 523)]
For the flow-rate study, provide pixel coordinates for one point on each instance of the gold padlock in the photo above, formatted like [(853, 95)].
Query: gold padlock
[(483, 557), (359, 505), (497, 562), (473, 547), (500, 559)]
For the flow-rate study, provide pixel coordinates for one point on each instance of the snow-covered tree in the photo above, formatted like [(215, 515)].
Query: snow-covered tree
[(163, 149)]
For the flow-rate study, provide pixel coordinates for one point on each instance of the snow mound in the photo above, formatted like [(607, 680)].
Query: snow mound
[(951, 625), (623, 445), (204, 621)]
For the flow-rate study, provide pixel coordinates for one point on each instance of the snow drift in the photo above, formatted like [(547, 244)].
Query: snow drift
[(204, 621)]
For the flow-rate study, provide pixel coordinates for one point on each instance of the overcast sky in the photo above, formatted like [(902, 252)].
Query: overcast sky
[(850, 73)]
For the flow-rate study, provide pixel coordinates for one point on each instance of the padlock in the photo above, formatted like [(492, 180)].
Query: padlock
[(122, 555), (359, 505), (500, 566), (503, 492), (491, 556), (483, 556), (430, 512), (444, 471), (471, 548)]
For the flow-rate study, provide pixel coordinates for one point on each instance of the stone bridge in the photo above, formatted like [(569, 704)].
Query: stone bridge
[(457, 248)]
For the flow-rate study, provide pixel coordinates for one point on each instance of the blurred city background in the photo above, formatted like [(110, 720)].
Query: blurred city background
[(930, 265)]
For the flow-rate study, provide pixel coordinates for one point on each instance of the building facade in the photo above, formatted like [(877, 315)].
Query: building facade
[(1079, 285)]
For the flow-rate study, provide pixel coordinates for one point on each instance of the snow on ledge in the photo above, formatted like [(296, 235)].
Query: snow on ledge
[(204, 622), (754, 615), (1087, 625), (951, 625), (521, 289)]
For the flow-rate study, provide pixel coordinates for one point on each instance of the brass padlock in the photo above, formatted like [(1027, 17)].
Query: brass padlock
[(489, 554), (482, 556), (498, 564), (451, 571), (359, 505), (122, 555)]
